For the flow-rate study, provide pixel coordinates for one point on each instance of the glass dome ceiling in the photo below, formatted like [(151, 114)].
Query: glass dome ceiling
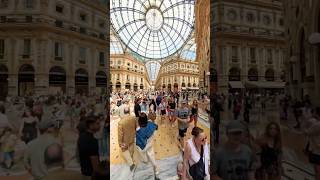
[(154, 29)]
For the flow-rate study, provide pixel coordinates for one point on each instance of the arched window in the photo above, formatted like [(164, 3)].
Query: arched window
[(269, 76), (253, 74), (234, 74)]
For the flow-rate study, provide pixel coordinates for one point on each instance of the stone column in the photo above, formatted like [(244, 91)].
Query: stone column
[(41, 67), (92, 68), (13, 68), (70, 69)]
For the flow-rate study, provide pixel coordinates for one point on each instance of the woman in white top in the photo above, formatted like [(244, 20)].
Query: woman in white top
[(196, 156), (163, 111)]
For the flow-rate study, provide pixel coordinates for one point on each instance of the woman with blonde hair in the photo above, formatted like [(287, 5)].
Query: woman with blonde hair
[(196, 156)]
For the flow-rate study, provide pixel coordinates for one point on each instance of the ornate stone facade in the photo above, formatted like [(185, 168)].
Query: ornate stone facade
[(178, 73), (249, 42), (53, 46), (202, 33), (128, 73), (302, 59)]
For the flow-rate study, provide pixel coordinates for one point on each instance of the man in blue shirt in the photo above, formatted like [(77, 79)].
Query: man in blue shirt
[(144, 140)]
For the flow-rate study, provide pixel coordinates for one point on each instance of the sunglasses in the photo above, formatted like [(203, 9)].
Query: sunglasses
[(204, 139)]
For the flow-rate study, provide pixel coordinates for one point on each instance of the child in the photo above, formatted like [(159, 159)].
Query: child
[(8, 141)]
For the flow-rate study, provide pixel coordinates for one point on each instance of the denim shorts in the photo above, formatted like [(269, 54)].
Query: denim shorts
[(8, 155), (171, 112)]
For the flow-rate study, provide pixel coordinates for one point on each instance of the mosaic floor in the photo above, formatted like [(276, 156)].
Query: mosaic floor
[(165, 144)]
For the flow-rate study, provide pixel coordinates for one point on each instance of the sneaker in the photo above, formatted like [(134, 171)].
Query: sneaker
[(156, 170), (132, 167)]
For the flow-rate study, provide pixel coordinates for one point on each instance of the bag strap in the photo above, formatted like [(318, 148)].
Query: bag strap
[(204, 163), (201, 154)]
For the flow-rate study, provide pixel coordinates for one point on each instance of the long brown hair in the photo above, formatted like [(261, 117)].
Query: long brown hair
[(277, 138)]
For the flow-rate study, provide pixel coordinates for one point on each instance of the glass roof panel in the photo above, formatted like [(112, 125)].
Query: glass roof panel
[(154, 29), (153, 68), (115, 44), (189, 50)]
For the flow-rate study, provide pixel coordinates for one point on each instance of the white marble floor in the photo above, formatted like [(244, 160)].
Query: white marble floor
[(145, 171)]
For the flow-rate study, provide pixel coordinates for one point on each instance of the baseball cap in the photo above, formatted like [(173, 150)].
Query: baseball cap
[(45, 124), (235, 126)]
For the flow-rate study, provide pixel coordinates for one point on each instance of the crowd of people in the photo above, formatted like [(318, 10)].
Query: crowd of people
[(33, 131), (141, 114), (243, 155), (31, 126)]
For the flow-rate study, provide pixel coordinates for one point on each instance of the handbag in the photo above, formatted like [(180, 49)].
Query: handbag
[(197, 170)]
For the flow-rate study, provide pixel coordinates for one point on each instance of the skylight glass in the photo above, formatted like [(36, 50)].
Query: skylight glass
[(154, 29), (115, 44), (153, 68), (189, 50)]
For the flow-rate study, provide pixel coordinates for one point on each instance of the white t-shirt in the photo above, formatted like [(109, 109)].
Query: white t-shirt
[(195, 156), (162, 106)]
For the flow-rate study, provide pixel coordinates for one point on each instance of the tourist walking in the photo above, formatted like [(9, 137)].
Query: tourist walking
[(196, 156)]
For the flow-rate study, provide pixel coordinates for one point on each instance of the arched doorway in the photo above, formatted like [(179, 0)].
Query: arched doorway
[(169, 87), (128, 86), (163, 86), (101, 82), (3, 81), (269, 76), (234, 74), (111, 86), (253, 74), (57, 80), (189, 84), (194, 85), (175, 87), (183, 84), (26, 80), (81, 81), (135, 87), (118, 86), (141, 86)]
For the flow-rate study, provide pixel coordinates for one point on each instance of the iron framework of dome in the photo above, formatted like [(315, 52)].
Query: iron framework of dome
[(189, 50), (153, 29)]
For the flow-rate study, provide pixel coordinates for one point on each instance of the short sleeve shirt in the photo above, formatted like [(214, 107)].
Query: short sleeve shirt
[(230, 165), (87, 147), (183, 114)]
